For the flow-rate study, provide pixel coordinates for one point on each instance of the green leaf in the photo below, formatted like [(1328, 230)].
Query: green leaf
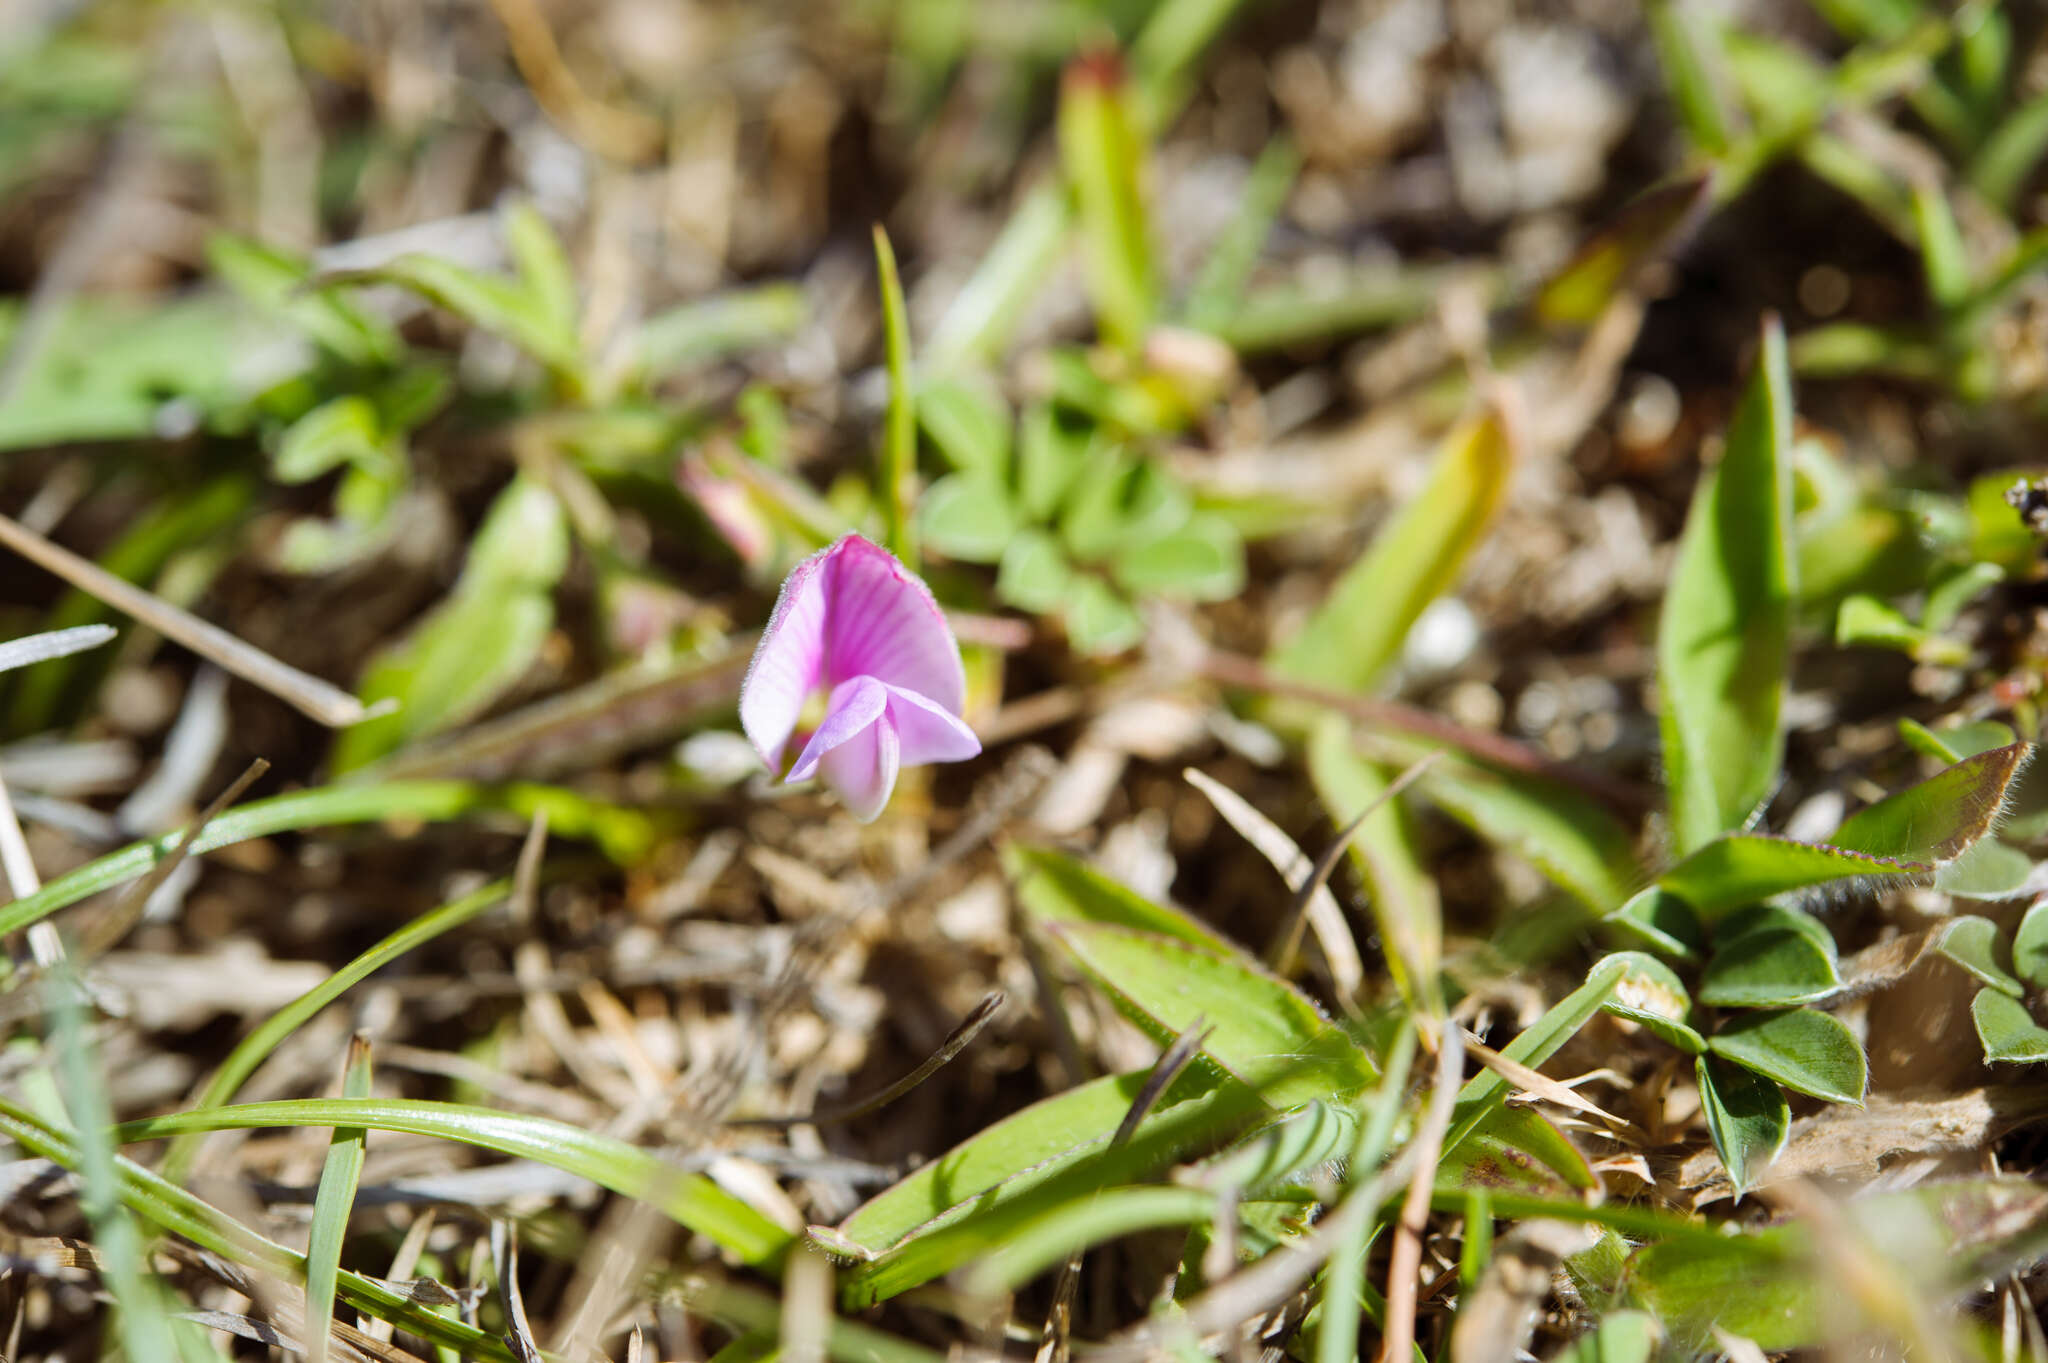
[(332, 1204), (1102, 158), (1219, 288), (1614, 257), (896, 474), (691, 1200), (1013, 272), (1265, 1033), (1201, 561), (1571, 838), (1738, 869), (1650, 993), (1403, 895), (1976, 945), (481, 640), (343, 430), (1358, 630), (1014, 1154), (1055, 888), (1991, 869), (1517, 1148), (1864, 621), (2007, 1030), (2030, 945), (1746, 1115), (1621, 1337), (1689, 57), (1034, 574), (969, 422), (1947, 598), (967, 516), (1938, 819), (543, 268), (2008, 157), (1662, 921), (706, 330), (506, 308), (1051, 455), (1724, 637), (1804, 1049), (1768, 957), (1952, 743), (1486, 1091), (1119, 502), (1759, 1286), (273, 281), (1942, 255), (1098, 620)]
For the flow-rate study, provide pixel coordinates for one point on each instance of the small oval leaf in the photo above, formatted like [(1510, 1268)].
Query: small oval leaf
[(2007, 1029), (1747, 1116), (1804, 1049)]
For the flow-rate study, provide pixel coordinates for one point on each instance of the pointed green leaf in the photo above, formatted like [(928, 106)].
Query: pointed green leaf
[(1055, 888), (343, 430), (543, 268), (1571, 838), (1051, 456), (2030, 945), (1937, 819), (1741, 868), (967, 516), (1102, 157), (1769, 957), (896, 471), (1976, 945), (506, 308), (1201, 561), (1687, 51), (1358, 630), (332, 1204), (1746, 1115), (1621, 1337), (2007, 1030), (1034, 574), (1804, 1049), (1941, 246), (969, 422), (1724, 636), (1266, 1033)]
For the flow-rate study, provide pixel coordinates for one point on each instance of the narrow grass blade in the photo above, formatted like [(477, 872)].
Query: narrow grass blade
[(142, 1320), (1102, 156), (895, 485), (1686, 54), (1219, 288), (172, 1209), (691, 1200), (332, 1204), (254, 1048)]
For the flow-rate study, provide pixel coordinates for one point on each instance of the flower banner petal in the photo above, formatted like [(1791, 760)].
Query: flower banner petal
[(882, 622), (788, 661)]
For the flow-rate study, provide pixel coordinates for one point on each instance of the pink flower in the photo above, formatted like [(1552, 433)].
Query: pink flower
[(855, 621)]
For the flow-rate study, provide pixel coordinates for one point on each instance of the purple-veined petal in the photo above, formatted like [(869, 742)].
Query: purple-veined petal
[(788, 662), (863, 769), (926, 733), (882, 622), (855, 705)]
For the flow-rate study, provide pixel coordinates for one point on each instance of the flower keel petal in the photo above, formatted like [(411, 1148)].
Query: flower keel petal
[(863, 769), (855, 706)]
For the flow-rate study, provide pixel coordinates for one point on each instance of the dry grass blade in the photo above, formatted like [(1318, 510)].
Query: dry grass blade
[(505, 1263), (56, 643), (316, 699), (1540, 1085), (1287, 941), (1324, 915), (956, 1041), (1397, 1341)]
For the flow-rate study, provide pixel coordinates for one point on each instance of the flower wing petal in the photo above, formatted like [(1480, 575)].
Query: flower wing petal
[(855, 706), (863, 769), (926, 733), (882, 622), (788, 661)]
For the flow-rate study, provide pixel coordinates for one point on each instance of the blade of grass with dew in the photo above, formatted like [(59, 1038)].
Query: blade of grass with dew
[(1219, 288), (178, 1212), (620, 831), (141, 1315), (1724, 637), (333, 1203), (1102, 157), (1357, 632), (896, 476), (691, 1200)]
